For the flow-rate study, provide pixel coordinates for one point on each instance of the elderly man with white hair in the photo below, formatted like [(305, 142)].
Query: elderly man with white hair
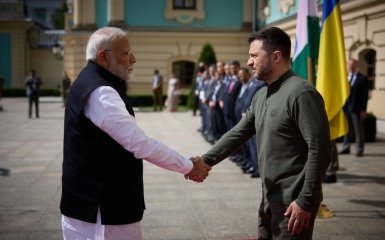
[(102, 181)]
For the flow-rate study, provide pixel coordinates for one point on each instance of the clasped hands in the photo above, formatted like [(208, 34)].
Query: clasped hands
[(200, 170)]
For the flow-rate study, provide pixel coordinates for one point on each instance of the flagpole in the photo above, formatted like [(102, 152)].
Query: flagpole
[(310, 70)]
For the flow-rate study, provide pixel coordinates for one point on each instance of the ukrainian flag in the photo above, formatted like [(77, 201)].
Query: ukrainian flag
[(332, 77)]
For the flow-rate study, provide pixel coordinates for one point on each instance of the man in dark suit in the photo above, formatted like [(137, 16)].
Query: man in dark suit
[(216, 116), (355, 108), (32, 83), (249, 87), (228, 100), (253, 86), (229, 96)]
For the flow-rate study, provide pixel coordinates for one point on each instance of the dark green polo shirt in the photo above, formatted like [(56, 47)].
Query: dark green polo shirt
[(293, 143)]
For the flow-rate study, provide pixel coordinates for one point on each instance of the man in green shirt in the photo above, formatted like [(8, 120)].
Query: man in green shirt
[(291, 126)]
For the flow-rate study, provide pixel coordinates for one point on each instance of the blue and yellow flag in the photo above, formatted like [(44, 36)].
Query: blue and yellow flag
[(332, 76)]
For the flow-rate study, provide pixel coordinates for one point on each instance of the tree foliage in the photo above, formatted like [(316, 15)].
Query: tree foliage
[(58, 19), (207, 55)]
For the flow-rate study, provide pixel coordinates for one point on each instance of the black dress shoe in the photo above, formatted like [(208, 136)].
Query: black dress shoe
[(240, 162), (255, 174), (250, 170), (246, 167), (345, 151), (360, 154), (330, 178)]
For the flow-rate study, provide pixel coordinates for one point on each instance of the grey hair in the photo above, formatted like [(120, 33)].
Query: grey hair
[(102, 39)]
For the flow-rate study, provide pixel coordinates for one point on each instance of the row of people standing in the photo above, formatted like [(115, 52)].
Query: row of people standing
[(224, 92)]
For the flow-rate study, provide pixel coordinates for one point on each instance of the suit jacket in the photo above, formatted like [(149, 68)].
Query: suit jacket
[(253, 87), (217, 95), (230, 97), (358, 98), (209, 91), (244, 101)]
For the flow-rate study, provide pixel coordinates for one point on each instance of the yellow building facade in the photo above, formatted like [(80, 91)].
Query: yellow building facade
[(157, 48)]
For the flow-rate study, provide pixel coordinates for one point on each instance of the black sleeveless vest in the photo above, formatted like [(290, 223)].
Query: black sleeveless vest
[(97, 171)]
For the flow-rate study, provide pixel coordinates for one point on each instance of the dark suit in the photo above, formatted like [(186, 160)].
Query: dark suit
[(205, 93), (217, 118), (32, 84), (229, 98), (243, 103), (356, 104)]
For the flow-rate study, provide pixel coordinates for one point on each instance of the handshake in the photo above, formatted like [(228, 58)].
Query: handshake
[(200, 170)]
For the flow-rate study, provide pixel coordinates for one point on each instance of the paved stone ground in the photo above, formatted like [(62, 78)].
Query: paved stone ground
[(222, 208)]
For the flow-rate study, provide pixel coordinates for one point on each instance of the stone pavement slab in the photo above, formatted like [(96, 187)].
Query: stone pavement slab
[(224, 207)]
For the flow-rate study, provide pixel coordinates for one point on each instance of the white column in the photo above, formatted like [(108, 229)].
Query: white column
[(247, 14), (89, 21), (116, 13), (78, 10)]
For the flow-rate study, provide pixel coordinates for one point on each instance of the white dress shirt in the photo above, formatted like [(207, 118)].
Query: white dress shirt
[(106, 110)]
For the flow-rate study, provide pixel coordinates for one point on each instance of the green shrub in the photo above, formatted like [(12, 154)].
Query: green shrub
[(207, 55), (145, 100), (20, 92), (370, 127), (139, 100)]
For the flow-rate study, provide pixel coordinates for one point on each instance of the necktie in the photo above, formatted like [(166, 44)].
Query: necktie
[(351, 80), (231, 85)]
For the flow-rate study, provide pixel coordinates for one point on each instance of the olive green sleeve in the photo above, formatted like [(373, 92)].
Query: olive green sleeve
[(231, 141), (309, 113)]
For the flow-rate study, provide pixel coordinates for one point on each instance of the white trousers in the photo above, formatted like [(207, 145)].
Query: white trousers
[(74, 229)]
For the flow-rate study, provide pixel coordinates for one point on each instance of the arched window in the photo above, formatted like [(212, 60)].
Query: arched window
[(367, 65), (184, 4), (184, 71)]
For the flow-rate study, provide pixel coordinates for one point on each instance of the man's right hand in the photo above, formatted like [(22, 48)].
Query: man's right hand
[(200, 170)]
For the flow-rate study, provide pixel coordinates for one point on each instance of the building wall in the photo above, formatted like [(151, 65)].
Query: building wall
[(5, 58), (280, 9), (159, 36), (17, 30), (160, 52), (101, 17), (138, 14), (19, 55), (75, 52), (48, 67), (41, 11)]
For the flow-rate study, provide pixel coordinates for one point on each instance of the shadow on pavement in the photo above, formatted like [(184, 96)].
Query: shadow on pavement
[(374, 155), (374, 203), (4, 172), (360, 178)]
